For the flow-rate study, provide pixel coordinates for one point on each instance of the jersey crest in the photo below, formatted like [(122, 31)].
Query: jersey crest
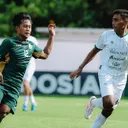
[(30, 46)]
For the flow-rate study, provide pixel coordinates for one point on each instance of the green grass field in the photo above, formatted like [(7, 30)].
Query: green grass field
[(62, 112)]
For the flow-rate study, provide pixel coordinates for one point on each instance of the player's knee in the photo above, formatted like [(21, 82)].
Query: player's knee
[(108, 103), (26, 84), (108, 109), (4, 110), (107, 112)]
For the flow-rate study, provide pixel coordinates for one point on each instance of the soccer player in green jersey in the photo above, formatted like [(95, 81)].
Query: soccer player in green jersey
[(15, 53)]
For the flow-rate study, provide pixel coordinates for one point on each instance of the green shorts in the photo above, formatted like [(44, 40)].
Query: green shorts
[(8, 98)]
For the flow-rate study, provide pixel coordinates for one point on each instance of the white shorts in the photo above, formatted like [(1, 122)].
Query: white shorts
[(29, 71), (112, 85)]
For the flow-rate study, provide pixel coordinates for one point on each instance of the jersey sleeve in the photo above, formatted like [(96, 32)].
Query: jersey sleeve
[(101, 43), (4, 49), (37, 52)]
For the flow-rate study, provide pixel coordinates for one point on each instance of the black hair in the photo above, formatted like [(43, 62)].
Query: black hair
[(122, 12), (20, 17)]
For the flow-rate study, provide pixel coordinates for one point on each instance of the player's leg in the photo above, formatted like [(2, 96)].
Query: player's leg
[(108, 103), (8, 105), (2, 115), (89, 108), (111, 96), (101, 118), (107, 93), (107, 111), (93, 102), (98, 102), (4, 111), (32, 100), (28, 94)]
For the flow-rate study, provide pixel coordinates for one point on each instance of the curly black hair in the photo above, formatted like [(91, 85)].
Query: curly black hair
[(20, 17), (122, 12)]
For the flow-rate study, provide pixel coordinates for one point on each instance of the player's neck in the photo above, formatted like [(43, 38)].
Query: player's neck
[(21, 38), (122, 33)]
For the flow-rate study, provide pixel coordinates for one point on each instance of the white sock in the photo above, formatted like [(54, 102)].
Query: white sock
[(99, 121), (26, 99), (98, 103), (32, 99)]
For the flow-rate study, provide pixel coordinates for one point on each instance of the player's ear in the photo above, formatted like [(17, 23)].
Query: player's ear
[(17, 28)]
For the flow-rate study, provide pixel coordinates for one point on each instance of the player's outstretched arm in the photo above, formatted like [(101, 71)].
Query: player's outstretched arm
[(49, 45), (89, 57)]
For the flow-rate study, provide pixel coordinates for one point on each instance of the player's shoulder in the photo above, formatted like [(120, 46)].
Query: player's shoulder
[(108, 32), (32, 39), (9, 39)]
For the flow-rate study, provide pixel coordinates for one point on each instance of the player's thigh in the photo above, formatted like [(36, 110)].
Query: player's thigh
[(108, 101), (106, 85), (11, 101), (119, 85), (4, 110), (27, 87), (29, 72), (118, 93)]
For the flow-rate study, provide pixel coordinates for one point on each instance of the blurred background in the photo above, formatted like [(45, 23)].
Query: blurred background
[(79, 25)]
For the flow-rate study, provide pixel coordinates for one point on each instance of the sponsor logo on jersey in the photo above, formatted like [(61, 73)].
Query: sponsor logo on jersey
[(112, 42), (18, 45)]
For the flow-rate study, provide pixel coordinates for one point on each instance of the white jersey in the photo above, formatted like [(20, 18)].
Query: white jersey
[(114, 54), (34, 40), (31, 66)]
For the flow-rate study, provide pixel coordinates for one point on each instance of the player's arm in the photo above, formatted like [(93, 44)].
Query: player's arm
[(47, 49), (89, 57), (4, 56), (4, 49), (49, 45), (101, 43)]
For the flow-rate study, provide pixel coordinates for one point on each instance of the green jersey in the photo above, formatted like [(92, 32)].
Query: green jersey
[(17, 53)]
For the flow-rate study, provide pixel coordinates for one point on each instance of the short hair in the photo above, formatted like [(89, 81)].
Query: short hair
[(122, 12), (20, 17)]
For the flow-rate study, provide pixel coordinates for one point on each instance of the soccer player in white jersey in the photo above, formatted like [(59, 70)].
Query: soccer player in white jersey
[(28, 93), (113, 45)]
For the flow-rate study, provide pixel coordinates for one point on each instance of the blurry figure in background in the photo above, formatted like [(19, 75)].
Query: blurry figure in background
[(28, 93), (113, 69)]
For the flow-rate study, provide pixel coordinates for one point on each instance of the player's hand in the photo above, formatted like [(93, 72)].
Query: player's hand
[(76, 73), (51, 29)]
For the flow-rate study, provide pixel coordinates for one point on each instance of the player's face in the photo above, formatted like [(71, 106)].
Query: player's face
[(118, 23), (24, 29)]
